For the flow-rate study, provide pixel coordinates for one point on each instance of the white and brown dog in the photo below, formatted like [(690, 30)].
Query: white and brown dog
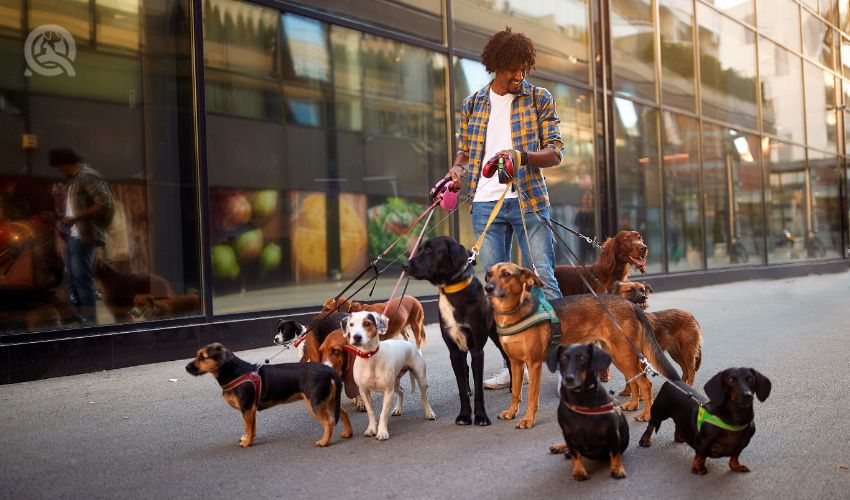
[(379, 366)]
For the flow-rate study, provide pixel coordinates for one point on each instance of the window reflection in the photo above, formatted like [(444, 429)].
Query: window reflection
[(633, 43), (733, 197), (118, 23), (824, 240), (780, 20), (820, 107), (786, 201), (741, 10), (319, 155), (782, 86), (681, 192), (638, 178), (422, 18), (676, 23), (818, 40), (557, 27), (73, 15), (727, 68)]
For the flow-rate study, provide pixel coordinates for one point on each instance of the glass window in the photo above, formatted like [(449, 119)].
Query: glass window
[(72, 15), (10, 17), (144, 241), (676, 24), (319, 155), (844, 54), (557, 27), (633, 44), (741, 10), (638, 178), (786, 201), (780, 20), (423, 18), (845, 91), (818, 40), (824, 239), (727, 68), (680, 146), (829, 9), (734, 227), (782, 86), (844, 15), (821, 115), (118, 23)]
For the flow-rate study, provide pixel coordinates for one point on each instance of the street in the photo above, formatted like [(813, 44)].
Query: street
[(154, 431)]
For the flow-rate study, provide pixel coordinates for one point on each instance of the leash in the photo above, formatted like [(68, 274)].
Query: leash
[(412, 254), (591, 241)]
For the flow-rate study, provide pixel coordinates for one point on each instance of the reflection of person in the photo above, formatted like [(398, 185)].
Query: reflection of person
[(585, 223), (506, 116), (88, 212)]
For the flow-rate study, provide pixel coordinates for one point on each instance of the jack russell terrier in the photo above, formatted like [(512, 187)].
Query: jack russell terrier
[(379, 366)]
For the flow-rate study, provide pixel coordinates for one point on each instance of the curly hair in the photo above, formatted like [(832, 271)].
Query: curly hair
[(508, 50)]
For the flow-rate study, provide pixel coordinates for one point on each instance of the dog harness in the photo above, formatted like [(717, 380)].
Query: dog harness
[(253, 377), (584, 410), (703, 417), (456, 287), (359, 353), (543, 312)]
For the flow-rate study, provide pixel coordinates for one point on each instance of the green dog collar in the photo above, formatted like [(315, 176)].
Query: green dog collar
[(543, 312), (704, 417)]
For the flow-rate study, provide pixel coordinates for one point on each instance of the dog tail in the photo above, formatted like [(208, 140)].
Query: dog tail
[(650, 348)]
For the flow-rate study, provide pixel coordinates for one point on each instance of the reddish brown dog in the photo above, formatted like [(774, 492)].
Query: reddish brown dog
[(334, 355), (146, 306), (618, 253), (676, 330), (404, 313)]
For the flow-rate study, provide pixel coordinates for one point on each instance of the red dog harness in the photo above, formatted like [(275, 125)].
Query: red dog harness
[(253, 377), (361, 354), (584, 410)]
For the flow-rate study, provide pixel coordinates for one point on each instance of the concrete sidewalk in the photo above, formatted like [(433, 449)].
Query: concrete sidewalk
[(153, 431)]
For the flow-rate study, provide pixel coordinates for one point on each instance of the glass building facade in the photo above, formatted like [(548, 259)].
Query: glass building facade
[(261, 154)]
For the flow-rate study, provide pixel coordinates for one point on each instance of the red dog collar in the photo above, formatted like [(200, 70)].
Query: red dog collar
[(253, 377), (584, 410), (361, 354)]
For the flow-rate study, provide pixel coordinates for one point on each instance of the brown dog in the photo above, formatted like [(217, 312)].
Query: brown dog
[(618, 253), (509, 290), (634, 291), (676, 330), (334, 355), (120, 288), (147, 307), (585, 319), (404, 313)]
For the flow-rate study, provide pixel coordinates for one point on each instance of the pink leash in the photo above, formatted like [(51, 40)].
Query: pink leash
[(412, 254)]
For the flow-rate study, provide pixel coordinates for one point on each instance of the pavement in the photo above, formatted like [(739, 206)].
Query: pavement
[(154, 431)]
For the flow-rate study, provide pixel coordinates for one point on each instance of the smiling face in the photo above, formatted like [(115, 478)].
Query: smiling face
[(629, 245), (363, 328), (509, 81), (507, 284)]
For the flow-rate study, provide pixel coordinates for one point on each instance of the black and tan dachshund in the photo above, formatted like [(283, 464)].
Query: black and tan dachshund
[(720, 425), (250, 389), (593, 426)]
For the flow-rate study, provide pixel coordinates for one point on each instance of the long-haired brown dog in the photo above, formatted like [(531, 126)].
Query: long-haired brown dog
[(676, 330), (584, 319), (405, 314), (625, 249)]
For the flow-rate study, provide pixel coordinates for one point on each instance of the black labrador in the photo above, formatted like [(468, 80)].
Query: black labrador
[(719, 425), (466, 320), (593, 426)]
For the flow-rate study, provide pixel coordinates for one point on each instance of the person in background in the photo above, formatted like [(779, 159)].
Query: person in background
[(510, 117), (89, 208)]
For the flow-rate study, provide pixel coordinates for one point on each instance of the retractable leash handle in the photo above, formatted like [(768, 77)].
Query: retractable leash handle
[(443, 195)]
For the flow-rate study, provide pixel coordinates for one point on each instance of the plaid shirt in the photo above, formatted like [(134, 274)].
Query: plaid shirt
[(531, 130), (85, 189)]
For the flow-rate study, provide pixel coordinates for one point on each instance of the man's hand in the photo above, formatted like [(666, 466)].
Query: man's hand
[(455, 172)]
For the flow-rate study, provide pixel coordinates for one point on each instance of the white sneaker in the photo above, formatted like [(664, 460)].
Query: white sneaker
[(502, 379)]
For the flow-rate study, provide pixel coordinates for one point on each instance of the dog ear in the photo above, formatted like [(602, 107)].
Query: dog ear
[(599, 359), (763, 385), (553, 361), (382, 322), (530, 278), (646, 287), (715, 390), (458, 256), (219, 353)]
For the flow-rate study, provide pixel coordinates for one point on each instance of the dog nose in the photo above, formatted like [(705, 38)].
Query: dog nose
[(357, 338), (570, 378), (405, 266), (489, 287)]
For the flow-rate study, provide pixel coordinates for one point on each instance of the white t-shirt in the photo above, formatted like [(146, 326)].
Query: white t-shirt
[(498, 139)]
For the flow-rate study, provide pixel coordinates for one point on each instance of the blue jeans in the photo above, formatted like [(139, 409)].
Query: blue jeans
[(79, 268), (497, 243)]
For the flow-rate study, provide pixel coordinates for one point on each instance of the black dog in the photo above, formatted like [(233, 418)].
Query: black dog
[(721, 425), (466, 320), (249, 389), (593, 426), (320, 327)]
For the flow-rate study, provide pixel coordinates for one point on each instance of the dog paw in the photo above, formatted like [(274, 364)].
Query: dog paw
[(370, 431), (361, 406), (643, 417), (348, 434), (430, 415), (581, 476), (618, 474), (382, 435), (629, 406), (525, 423), (482, 420), (396, 412), (245, 442), (645, 442), (507, 415), (463, 420), (322, 444), (558, 448), (699, 470)]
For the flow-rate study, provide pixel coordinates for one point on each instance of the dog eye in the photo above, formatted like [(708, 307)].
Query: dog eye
[(506, 274)]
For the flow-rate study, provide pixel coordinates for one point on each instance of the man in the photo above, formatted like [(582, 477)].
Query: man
[(511, 117), (89, 209)]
